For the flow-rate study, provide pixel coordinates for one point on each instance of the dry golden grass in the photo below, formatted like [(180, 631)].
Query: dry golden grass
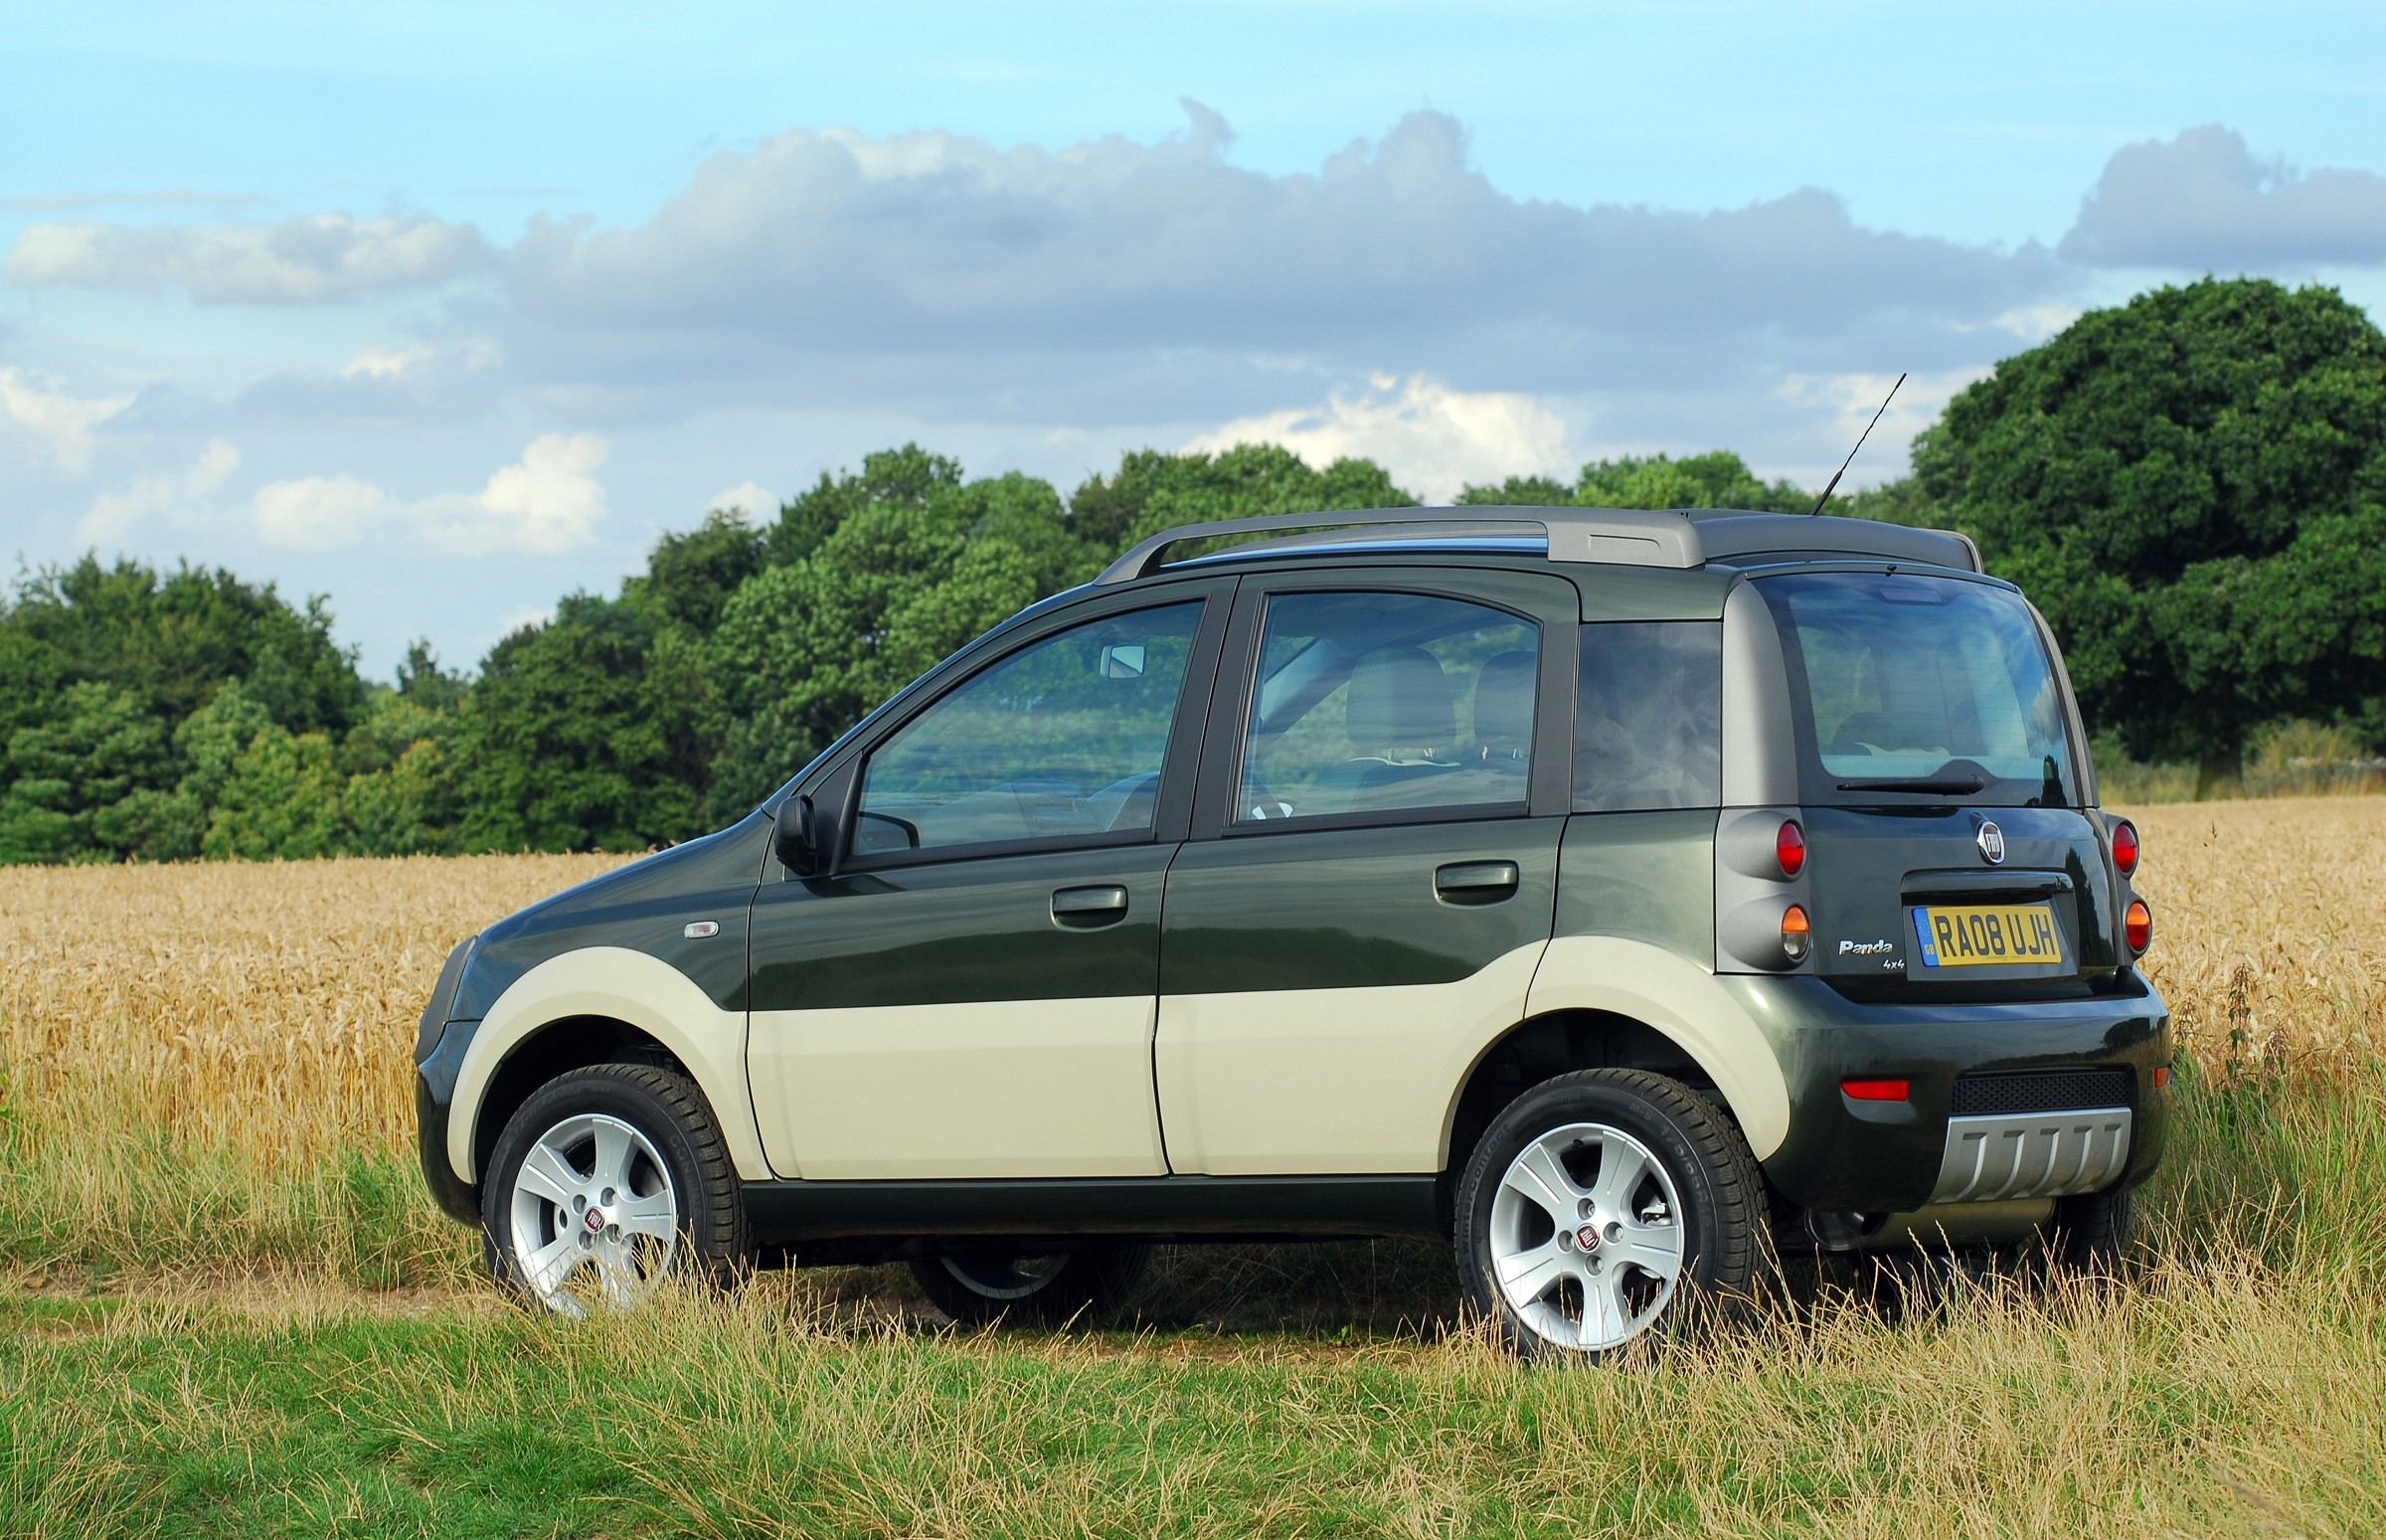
[(264, 1011), (2270, 928), (221, 1053)]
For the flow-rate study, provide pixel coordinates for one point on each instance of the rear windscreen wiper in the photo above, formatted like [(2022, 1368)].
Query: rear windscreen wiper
[(1949, 786)]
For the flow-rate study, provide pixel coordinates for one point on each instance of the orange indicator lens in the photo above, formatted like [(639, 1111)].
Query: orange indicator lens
[(2138, 925)]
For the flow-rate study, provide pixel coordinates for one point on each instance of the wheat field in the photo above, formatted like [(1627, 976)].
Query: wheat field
[(206, 1194), (234, 1036)]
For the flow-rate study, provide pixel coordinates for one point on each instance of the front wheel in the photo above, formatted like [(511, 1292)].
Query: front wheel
[(606, 1180), (1601, 1206), (998, 1285)]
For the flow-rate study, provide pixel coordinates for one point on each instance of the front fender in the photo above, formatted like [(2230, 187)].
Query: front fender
[(626, 986)]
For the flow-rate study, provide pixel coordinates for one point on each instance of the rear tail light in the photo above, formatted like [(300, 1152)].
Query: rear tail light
[(1789, 848), (1796, 932), (2125, 846), (2137, 925), (1877, 1089)]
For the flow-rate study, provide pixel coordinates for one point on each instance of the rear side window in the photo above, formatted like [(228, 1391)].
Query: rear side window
[(1062, 740), (1923, 685), (1377, 703), (1648, 723)]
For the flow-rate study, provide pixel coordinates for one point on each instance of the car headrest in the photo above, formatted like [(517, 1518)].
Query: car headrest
[(1399, 698), (1503, 702)]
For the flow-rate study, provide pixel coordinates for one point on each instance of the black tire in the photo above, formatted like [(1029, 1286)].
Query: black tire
[(1001, 1285), (2091, 1233), (1722, 1234), (665, 1107)]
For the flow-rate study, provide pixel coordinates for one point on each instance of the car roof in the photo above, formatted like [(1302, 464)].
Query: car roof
[(1677, 538)]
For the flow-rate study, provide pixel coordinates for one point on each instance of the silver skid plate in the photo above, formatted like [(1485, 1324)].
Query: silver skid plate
[(2032, 1156)]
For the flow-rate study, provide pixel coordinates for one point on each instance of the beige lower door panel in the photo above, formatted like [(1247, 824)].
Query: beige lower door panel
[(1290, 1082), (1007, 1088)]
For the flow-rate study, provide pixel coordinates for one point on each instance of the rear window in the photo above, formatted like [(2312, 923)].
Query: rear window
[(1917, 686)]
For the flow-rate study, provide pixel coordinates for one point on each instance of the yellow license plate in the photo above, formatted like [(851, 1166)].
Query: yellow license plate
[(1959, 936)]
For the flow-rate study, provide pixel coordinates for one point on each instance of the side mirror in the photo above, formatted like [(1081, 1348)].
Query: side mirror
[(1123, 661), (798, 837)]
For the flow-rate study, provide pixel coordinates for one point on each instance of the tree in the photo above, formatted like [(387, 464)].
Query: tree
[(901, 578), (1716, 479), (568, 744), (1152, 491), (2192, 487)]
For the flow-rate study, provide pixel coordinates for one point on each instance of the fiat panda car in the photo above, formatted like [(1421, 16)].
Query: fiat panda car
[(1616, 894)]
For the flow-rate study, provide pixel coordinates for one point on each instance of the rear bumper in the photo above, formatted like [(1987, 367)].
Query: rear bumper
[(1874, 1157)]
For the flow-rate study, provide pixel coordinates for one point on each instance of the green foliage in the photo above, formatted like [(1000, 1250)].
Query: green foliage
[(2193, 488), (1153, 491), (1716, 479), (281, 801), (568, 744)]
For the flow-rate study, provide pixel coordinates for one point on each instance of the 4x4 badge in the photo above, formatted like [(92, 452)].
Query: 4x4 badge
[(1993, 844)]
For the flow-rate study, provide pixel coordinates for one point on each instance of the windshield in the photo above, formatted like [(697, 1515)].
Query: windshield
[(1916, 685)]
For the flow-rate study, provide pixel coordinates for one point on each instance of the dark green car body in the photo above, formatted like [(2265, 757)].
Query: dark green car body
[(1259, 987)]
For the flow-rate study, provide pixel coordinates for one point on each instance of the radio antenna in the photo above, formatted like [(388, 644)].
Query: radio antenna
[(1851, 454)]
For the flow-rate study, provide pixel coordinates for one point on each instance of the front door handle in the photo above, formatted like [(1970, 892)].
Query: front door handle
[(1085, 909), (1476, 882)]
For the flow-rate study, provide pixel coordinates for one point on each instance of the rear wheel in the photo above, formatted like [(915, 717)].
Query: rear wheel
[(998, 1284), (2091, 1233), (605, 1181), (1603, 1206)]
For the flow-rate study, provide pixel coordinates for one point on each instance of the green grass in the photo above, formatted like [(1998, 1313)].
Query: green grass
[(2236, 1384)]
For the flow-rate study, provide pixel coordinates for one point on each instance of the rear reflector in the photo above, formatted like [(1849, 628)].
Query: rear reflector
[(1796, 932), (2138, 924), (1878, 1090)]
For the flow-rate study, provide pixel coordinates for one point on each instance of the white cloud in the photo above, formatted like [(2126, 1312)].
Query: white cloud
[(374, 362), (114, 516), (1431, 439), (322, 258), (545, 503), (2203, 202), (751, 498), (64, 423), (1115, 281), (321, 513)]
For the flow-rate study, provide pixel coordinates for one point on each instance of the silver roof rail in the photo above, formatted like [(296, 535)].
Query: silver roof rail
[(1627, 537)]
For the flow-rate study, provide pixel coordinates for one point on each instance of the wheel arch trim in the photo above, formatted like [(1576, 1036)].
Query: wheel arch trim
[(637, 990), (1682, 1002)]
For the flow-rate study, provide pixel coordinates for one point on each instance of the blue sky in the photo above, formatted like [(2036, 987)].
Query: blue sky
[(445, 310)]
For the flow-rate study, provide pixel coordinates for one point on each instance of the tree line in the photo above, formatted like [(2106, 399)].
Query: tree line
[(2192, 486)]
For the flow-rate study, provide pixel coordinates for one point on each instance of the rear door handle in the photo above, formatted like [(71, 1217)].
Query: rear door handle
[(1476, 882), (1085, 909)]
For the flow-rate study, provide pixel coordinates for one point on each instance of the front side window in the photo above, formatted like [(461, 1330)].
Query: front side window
[(1062, 740), (1648, 722), (1370, 703), (1923, 685)]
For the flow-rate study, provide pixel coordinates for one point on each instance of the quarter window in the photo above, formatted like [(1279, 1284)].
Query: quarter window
[(1648, 723), (1062, 740), (1370, 703)]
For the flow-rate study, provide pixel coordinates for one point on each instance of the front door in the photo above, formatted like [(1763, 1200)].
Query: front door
[(970, 992), (1373, 875)]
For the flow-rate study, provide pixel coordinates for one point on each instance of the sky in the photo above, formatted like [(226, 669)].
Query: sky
[(445, 310)]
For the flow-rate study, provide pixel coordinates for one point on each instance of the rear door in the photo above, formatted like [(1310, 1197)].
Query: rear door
[(1942, 783), (1372, 874), (970, 992)]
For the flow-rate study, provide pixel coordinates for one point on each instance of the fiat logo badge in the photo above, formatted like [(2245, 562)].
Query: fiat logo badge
[(1993, 844)]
